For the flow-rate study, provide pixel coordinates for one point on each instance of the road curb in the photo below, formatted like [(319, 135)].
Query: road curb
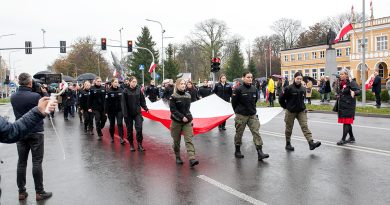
[(356, 114)]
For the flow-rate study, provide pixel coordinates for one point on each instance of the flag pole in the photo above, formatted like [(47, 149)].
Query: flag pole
[(363, 67)]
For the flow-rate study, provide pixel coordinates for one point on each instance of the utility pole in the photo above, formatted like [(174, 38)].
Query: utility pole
[(43, 36)]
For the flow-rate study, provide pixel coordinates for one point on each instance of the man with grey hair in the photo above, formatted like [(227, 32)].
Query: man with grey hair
[(22, 101)]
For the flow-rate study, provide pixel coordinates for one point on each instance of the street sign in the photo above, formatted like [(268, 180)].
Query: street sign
[(12, 84), (141, 67)]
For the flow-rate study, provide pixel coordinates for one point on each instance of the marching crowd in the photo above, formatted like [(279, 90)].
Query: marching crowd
[(122, 102)]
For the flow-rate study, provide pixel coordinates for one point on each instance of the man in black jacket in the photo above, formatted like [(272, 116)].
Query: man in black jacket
[(97, 95), (244, 105), (114, 110), (377, 88), (152, 92), (13, 132), (292, 100), (132, 101), (23, 101)]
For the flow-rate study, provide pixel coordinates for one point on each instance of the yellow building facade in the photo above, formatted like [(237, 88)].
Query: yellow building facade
[(311, 60)]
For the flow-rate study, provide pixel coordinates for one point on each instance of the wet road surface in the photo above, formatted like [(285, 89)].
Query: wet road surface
[(103, 173)]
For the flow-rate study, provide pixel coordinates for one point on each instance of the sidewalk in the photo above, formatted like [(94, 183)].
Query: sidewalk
[(6, 110), (358, 103)]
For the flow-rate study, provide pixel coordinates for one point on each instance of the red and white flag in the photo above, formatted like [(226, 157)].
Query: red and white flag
[(152, 67), (344, 30), (207, 113)]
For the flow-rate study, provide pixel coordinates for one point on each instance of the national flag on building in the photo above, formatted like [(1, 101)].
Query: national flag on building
[(344, 30)]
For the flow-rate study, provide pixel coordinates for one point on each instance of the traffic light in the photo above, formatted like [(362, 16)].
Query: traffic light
[(215, 62), (28, 46), (62, 46), (104, 44), (129, 46)]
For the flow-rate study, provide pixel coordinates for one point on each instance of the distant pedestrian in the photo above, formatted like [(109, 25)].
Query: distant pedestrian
[(346, 105), (244, 105), (327, 89), (293, 101), (309, 87), (279, 87), (264, 89), (224, 91), (181, 123), (191, 89), (322, 88), (286, 83), (271, 91), (377, 88), (388, 86), (152, 92), (205, 90)]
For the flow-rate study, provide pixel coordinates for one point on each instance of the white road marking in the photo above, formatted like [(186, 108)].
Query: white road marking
[(329, 143), (354, 125), (231, 190)]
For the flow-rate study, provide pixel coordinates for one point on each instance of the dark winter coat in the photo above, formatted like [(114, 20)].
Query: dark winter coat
[(132, 101), (293, 98), (83, 99), (223, 91), (23, 101), (97, 96), (204, 91), (152, 92), (13, 132), (328, 89), (68, 97), (376, 85), (168, 91), (194, 94), (113, 100), (347, 104), (244, 100), (179, 104)]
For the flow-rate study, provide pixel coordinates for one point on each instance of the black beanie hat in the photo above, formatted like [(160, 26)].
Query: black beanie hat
[(298, 74)]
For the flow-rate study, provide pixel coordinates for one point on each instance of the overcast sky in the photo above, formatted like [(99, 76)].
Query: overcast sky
[(71, 19)]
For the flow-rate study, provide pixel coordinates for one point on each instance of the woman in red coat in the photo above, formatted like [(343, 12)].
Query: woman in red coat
[(346, 105)]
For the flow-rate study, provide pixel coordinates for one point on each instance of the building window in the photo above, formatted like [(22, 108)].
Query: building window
[(286, 58), (381, 70), (306, 56), (322, 72), (299, 56), (314, 73), (307, 72), (292, 74), (322, 54), (338, 52), (313, 55), (381, 43), (292, 57), (286, 74), (359, 45), (347, 51)]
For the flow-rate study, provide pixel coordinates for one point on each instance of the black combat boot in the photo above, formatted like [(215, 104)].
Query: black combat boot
[(351, 138), (140, 148), (345, 132), (237, 153), (289, 147), (43, 195), (131, 146), (260, 154), (313, 145), (193, 162), (178, 160)]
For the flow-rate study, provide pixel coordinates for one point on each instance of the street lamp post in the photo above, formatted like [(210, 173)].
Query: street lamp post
[(162, 45), (120, 38), (43, 36)]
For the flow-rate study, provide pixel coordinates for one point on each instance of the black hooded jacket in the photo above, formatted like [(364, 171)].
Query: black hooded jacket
[(244, 100), (293, 98)]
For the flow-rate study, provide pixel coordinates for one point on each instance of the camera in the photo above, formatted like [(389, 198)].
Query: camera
[(44, 81)]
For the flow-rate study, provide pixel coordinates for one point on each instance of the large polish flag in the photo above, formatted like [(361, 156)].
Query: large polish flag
[(207, 113), (344, 30)]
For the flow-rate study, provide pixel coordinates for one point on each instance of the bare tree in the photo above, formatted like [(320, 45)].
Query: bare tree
[(209, 36), (288, 30)]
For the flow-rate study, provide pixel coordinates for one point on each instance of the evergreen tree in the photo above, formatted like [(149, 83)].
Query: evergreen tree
[(235, 65), (142, 57), (252, 68), (171, 66)]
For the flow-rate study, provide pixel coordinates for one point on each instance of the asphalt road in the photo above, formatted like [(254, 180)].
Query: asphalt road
[(103, 173)]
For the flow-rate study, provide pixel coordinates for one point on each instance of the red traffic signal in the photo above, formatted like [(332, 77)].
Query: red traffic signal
[(104, 44), (129, 46)]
